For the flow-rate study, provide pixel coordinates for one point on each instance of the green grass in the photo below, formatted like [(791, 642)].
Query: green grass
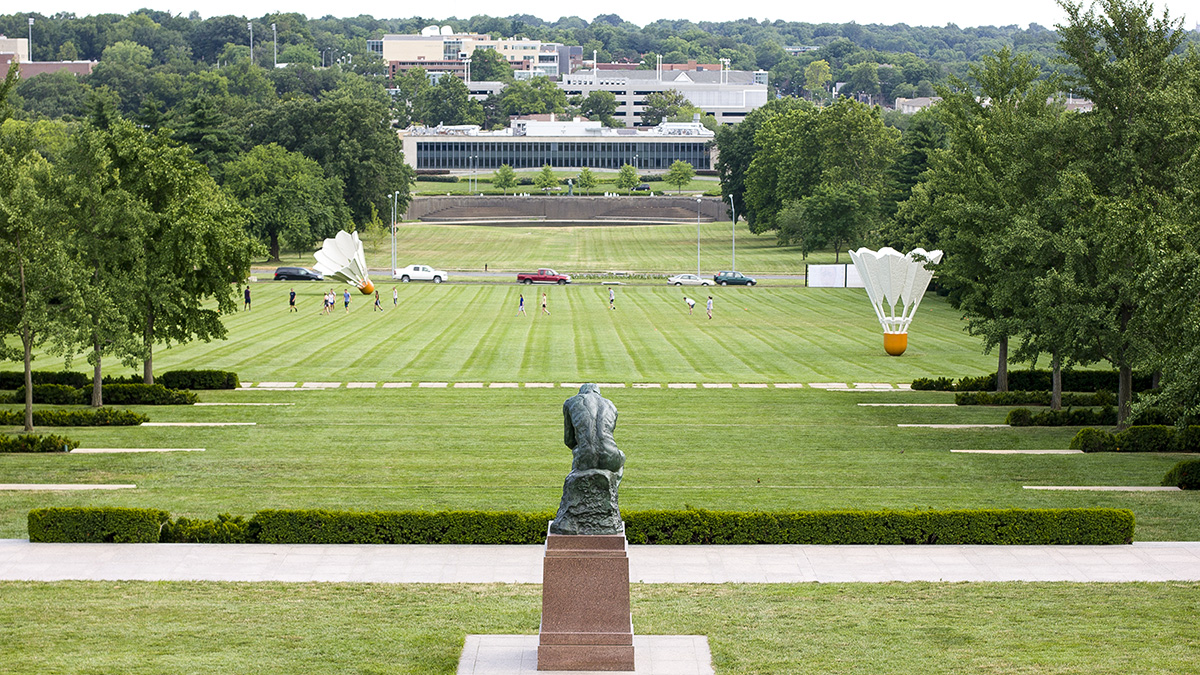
[(502, 449), (868, 629), (664, 249)]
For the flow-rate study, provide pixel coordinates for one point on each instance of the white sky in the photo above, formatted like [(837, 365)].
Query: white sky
[(964, 13)]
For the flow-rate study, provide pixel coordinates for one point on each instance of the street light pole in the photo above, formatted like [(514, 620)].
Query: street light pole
[(275, 44), (733, 230), (29, 49), (697, 236), (394, 215), (250, 26)]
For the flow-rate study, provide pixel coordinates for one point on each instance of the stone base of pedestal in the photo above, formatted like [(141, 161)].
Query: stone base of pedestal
[(517, 655), (585, 604)]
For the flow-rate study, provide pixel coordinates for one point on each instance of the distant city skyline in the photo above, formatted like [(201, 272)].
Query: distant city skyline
[(936, 13)]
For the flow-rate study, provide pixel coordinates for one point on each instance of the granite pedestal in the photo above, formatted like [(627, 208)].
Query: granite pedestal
[(586, 623)]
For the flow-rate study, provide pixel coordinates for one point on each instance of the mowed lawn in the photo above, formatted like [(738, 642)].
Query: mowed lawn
[(666, 249)]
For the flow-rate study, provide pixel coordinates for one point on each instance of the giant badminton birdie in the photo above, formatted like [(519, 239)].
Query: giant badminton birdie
[(893, 278), (342, 258)]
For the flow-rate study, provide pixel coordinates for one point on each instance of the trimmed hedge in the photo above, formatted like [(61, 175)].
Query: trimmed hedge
[(695, 526), (199, 379), (1185, 475), (1036, 380), (1042, 398), (95, 525), (1141, 438), (16, 380), (436, 178), (1024, 417), (53, 394), (116, 394), (36, 443), (100, 417)]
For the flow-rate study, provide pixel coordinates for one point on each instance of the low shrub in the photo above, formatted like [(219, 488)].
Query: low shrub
[(226, 529), (146, 394), (100, 417), (438, 179), (1185, 475), (16, 380), (1043, 398), (1071, 417), (933, 384), (693, 526), (1148, 438), (93, 525), (1093, 440), (53, 394), (432, 172), (36, 443), (199, 379), (1188, 440)]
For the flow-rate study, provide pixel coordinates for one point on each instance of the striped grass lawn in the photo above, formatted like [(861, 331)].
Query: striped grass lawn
[(858, 629), (471, 332), (665, 249)]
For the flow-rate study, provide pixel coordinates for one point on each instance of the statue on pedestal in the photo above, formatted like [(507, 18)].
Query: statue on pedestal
[(589, 501)]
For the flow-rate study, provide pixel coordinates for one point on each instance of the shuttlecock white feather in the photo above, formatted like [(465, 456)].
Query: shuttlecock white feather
[(342, 258)]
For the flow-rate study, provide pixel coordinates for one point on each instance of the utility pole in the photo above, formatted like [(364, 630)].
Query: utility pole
[(250, 27)]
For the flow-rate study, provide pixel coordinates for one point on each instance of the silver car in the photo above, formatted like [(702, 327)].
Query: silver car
[(689, 280)]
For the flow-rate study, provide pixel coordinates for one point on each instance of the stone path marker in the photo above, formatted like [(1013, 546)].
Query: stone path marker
[(1105, 488), (198, 424), (103, 451), (954, 426), (503, 385), (753, 385), (468, 385), (397, 385), (539, 385), (432, 385), (826, 385), (360, 385), (1021, 452), (872, 385), (276, 385), (681, 385), (717, 385), (647, 385), (321, 385), (64, 486), (789, 385)]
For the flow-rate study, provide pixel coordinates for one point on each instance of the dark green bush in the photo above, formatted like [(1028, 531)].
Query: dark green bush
[(1093, 440), (1077, 417), (53, 394), (226, 529), (1038, 380), (933, 384), (16, 380), (438, 179), (123, 379), (100, 417), (1149, 438), (96, 525), (694, 526), (36, 443), (199, 379), (1185, 475), (1100, 398), (146, 394), (1188, 440)]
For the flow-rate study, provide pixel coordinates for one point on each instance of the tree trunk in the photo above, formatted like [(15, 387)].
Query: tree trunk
[(148, 364), (275, 246), (97, 382), (1002, 366), (27, 342), (1124, 394), (1056, 382)]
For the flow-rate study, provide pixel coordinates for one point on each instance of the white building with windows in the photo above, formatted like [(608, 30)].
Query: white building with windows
[(728, 95)]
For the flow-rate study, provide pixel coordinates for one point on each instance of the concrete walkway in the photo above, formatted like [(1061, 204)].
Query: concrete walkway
[(1150, 561)]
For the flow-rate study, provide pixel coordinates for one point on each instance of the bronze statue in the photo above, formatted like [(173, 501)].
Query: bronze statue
[(589, 501)]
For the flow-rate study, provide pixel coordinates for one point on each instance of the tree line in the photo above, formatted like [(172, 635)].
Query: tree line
[(1069, 234)]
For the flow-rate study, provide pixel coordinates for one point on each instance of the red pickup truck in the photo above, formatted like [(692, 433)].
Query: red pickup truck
[(543, 276)]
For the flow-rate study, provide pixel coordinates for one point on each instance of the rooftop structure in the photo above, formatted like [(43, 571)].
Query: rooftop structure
[(728, 95)]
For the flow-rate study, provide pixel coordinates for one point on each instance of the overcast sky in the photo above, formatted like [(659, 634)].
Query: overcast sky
[(964, 13)]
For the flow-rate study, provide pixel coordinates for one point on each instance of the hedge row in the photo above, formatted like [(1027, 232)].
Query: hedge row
[(1078, 417), (172, 379), (1036, 380), (99, 417), (1184, 475), (116, 394), (36, 443), (1143, 438), (984, 526), (1100, 398)]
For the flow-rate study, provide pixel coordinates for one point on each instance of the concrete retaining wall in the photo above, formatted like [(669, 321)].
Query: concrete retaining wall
[(566, 208)]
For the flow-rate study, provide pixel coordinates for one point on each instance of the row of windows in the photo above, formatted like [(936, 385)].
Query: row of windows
[(490, 155)]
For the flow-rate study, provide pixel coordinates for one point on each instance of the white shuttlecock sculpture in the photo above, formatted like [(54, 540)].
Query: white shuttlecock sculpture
[(892, 278), (342, 258)]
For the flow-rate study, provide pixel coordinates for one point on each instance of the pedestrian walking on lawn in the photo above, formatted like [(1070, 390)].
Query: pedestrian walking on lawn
[(292, 300), (521, 305), (377, 305), (544, 310), (612, 299), (246, 306), (710, 306), (690, 303), (346, 298)]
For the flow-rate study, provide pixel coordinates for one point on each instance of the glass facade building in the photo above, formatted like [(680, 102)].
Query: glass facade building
[(531, 153)]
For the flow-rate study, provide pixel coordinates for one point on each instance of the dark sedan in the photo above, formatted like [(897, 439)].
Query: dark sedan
[(297, 274), (733, 279)]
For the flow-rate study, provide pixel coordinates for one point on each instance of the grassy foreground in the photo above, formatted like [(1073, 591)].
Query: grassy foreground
[(868, 629)]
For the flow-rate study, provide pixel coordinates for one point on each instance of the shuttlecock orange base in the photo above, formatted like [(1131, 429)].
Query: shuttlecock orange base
[(895, 343), (367, 287)]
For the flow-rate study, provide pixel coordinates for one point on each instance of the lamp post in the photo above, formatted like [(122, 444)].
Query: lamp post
[(250, 27), (697, 236), (733, 231), (275, 44), (29, 48), (395, 195)]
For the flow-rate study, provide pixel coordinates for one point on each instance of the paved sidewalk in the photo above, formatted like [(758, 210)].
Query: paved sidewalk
[(1150, 561)]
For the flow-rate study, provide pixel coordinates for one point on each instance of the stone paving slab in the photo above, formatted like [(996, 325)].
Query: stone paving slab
[(826, 385), (647, 385), (244, 404), (360, 385), (681, 385), (954, 426), (717, 385), (396, 385), (38, 487), (321, 385), (503, 385), (102, 451), (789, 385), (198, 424), (468, 385), (1148, 561), (433, 385), (908, 405), (752, 385), (276, 385), (539, 385), (872, 385), (652, 655), (1105, 488), (1020, 452)]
